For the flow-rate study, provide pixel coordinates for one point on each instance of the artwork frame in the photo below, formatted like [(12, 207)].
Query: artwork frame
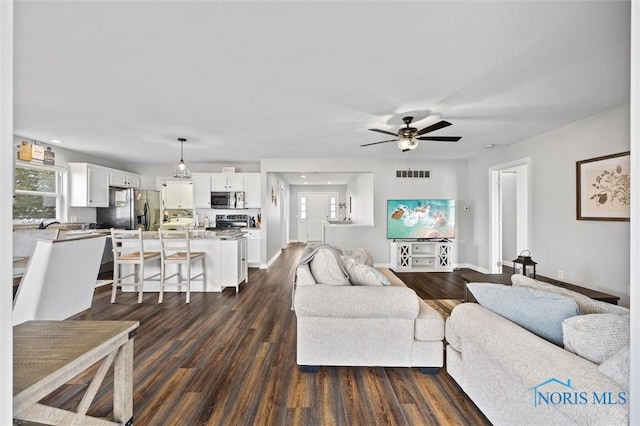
[(603, 188)]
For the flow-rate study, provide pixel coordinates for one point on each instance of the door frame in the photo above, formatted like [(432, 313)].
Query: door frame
[(495, 207)]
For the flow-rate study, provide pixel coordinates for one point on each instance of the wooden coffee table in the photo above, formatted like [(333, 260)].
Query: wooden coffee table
[(505, 279), (47, 354)]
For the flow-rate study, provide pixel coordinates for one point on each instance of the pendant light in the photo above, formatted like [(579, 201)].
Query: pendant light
[(181, 170)]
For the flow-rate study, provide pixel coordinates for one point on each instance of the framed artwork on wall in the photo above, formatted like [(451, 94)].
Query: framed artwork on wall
[(604, 188)]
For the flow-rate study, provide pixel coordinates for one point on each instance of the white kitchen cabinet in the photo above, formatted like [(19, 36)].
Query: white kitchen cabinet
[(202, 190), (224, 182), (253, 190), (89, 185), (253, 247), (234, 256), (124, 179), (177, 195)]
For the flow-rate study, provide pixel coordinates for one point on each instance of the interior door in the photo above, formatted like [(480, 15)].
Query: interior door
[(313, 210)]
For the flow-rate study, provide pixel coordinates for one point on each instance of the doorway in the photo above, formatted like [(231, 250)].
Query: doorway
[(313, 209), (509, 203)]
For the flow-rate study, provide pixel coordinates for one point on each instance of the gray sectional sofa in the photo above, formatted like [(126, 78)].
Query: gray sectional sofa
[(516, 377), (351, 314)]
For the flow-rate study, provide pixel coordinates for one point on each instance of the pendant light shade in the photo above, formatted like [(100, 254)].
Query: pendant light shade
[(181, 170)]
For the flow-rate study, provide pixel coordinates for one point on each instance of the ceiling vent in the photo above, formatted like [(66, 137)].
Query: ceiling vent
[(412, 173)]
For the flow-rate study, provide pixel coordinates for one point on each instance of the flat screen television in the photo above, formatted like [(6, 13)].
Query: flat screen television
[(421, 219)]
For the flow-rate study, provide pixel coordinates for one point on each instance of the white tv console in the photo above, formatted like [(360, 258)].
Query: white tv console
[(421, 256)]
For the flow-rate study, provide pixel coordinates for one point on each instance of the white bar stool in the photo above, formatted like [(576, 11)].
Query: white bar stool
[(176, 249), (128, 249)]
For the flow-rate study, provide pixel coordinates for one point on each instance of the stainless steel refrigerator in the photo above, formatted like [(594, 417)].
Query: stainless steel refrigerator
[(130, 209)]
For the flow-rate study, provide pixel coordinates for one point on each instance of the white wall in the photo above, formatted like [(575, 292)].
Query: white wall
[(361, 203), (6, 212), (592, 254), (274, 215), (508, 186), (635, 215)]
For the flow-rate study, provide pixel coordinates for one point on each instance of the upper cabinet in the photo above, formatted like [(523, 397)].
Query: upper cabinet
[(206, 183), (252, 190), (124, 179), (89, 185), (227, 182), (202, 190), (177, 195)]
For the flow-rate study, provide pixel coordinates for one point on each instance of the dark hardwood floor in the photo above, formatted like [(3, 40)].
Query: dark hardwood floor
[(229, 359)]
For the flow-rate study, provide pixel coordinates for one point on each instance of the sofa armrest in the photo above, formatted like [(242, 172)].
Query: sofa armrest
[(322, 300)]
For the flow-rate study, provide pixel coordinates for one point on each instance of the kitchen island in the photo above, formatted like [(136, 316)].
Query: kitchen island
[(225, 261)]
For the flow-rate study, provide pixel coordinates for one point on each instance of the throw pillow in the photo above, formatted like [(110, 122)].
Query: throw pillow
[(326, 268), (617, 367), (596, 337), (361, 274), (361, 255), (586, 305), (303, 275), (538, 311)]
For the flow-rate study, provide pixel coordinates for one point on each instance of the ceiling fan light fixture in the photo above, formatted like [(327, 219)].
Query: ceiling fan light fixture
[(407, 144), (181, 170)]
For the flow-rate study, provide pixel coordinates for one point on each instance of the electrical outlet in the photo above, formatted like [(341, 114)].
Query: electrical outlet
[(560, 274)]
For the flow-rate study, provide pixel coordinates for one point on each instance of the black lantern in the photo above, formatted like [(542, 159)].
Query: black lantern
[(525, 261)]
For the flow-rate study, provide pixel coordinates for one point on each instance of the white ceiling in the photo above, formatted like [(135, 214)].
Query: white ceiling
[(243, 81)]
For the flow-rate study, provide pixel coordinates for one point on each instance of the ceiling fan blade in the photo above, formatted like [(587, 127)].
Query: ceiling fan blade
[(440, 138), (384, 131), (376, 143), (436, 126)]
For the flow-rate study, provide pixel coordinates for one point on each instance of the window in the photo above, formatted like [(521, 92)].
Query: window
[(333, 207), (303, 207), (38, 193)]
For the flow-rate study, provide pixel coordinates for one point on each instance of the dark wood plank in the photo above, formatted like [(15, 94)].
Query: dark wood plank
[(229, 359), (435, 285)]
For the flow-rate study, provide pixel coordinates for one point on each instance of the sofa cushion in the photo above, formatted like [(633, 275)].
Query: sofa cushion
[(327, 268), (586, 305), (361, 255), (618, 366), (538, 311), (326, 301), (304, 276), (361, 274), (596, 337), (429, 324)]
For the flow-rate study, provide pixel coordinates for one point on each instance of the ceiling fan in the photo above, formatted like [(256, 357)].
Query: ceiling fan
[(409, 137)]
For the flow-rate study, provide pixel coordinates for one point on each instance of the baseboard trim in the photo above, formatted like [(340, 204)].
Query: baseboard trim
[(273, 259), (472, 266)]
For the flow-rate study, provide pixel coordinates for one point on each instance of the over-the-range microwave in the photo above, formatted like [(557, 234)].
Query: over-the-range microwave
[(227, 200)]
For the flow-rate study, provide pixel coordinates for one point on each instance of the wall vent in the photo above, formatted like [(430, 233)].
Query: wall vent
[(412, 173)]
